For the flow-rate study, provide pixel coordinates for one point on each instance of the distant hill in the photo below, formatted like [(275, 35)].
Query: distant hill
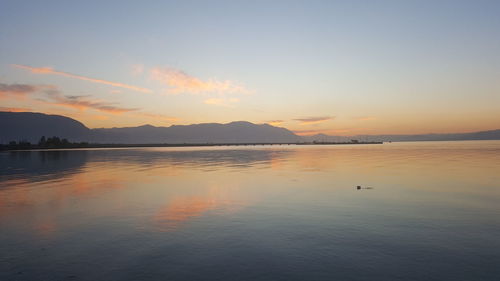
[(30, 127), (16, 126), (483, 135), (234, 132)]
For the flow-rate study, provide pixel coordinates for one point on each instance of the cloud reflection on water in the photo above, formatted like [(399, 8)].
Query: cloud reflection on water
[(168, 187)]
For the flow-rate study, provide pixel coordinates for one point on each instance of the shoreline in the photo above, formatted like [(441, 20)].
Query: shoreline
[(113, 145)]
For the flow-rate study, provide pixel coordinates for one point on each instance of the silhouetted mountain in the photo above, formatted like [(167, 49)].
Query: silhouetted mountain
[(483, 135), (31, 126), (234, 132)]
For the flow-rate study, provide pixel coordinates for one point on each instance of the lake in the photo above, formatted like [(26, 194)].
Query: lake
[(425, 211)]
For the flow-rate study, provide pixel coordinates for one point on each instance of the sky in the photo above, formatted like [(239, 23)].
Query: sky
[(333, 67)]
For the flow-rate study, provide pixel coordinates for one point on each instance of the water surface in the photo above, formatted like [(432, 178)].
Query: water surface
[(427, 211)]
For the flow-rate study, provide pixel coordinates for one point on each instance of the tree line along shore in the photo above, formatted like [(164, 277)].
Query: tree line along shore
[(62, 143)]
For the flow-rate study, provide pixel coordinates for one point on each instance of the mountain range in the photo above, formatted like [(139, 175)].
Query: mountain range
[(29, 126)]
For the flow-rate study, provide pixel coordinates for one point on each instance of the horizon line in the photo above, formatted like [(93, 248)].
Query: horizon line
[(386, 134)]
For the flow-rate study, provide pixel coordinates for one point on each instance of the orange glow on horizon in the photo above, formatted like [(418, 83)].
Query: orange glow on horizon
[(319, 131), (15, 109)]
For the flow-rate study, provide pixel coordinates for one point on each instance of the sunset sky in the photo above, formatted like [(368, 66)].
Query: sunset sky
[(335, 67)]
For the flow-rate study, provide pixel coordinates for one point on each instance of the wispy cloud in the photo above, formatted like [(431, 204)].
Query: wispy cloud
[(365, 118), (181, 82), (14, 109), (52, 95), (49, 70), (313, 120), (16, 89), (85, 102), (227, 102), (274, 122)]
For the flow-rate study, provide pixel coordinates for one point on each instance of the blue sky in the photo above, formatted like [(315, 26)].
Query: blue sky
[(346, 66)]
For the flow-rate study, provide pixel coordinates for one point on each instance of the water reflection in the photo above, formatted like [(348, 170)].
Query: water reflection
[(217, 200), (278, 208), (39, 165)]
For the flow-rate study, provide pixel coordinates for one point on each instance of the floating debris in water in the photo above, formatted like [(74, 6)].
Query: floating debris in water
[(359, 187)]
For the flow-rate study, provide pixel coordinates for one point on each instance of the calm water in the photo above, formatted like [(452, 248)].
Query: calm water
[(253, 213)]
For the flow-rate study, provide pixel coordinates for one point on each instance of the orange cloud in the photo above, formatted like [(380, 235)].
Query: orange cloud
[(14, 109), (49, 70), (55, 97), (181, 82), (84, 103), (313, 120), (307, 132), (274, 122)]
